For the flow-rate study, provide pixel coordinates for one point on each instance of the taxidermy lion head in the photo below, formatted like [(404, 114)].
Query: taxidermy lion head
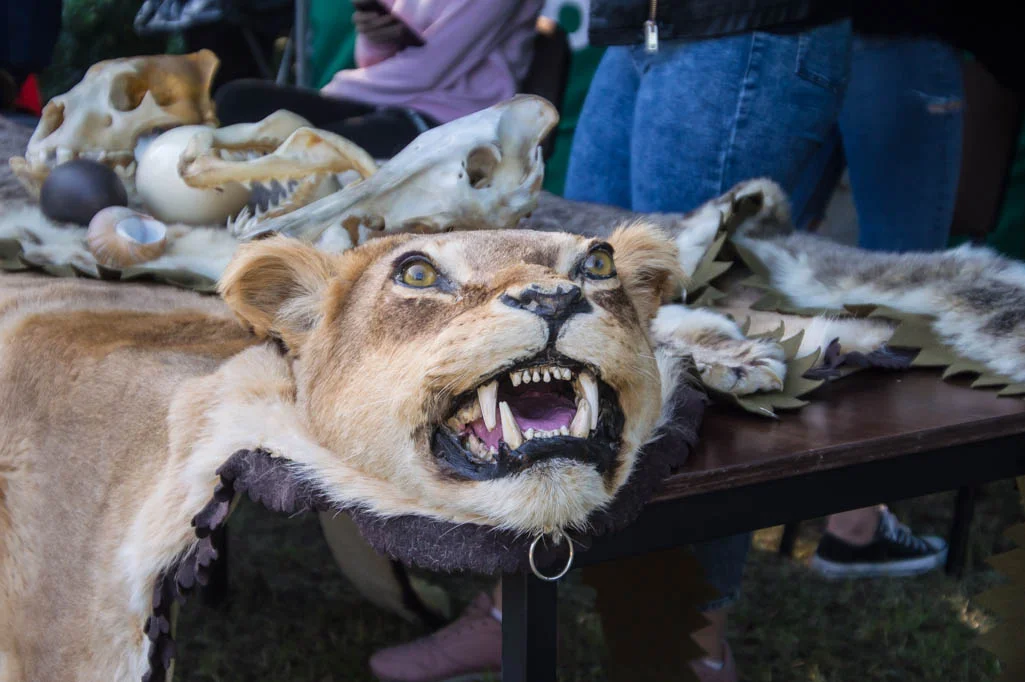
[(504, 378), (501, 378)]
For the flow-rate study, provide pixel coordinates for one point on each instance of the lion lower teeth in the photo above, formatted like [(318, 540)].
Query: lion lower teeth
[(510, 429), (589, 387), (480, 450)]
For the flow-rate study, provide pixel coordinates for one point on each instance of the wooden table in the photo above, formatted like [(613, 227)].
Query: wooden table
[(869, 438)]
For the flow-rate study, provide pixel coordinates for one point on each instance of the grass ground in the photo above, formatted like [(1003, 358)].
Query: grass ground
[(293, 617)]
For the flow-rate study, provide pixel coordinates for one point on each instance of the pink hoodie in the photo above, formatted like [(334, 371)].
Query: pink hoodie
[(475, 54)]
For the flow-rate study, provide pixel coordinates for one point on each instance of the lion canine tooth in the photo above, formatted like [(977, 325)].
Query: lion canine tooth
[(581, 425), (510, 429), (487, 396), (515, 378), (590, 387)]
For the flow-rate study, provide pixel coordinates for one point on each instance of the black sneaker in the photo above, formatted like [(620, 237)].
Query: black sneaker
[(894, 551)]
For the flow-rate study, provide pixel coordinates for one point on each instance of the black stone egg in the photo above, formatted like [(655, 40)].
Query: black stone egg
[(77, 190)]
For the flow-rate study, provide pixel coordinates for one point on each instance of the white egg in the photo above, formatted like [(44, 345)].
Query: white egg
[(166, 195)]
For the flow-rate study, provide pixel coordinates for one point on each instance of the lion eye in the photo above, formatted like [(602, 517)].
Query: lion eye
[(599, 265), (418, 273)]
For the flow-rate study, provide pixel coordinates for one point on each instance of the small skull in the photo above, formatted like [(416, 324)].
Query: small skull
[(117, 102), (481, 171)]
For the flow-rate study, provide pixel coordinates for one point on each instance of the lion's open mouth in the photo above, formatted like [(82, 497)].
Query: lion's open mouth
[(544, 408)]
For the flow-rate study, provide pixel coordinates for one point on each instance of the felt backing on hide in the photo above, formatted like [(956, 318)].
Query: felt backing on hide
[(278, 484), (1007, 603), (913, 343), (805, 373)]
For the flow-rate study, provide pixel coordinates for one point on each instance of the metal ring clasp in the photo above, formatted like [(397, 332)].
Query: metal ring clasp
[(533, 565)]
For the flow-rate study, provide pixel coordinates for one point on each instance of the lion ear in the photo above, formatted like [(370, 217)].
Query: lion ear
[(648, 266), (276, 286)]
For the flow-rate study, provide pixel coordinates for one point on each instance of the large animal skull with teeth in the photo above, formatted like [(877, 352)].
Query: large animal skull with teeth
[(117, 102), (283, 154), (480, 171)]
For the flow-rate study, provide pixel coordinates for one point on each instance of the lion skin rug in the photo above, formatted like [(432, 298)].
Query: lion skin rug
[(362, 376), (459, 395)]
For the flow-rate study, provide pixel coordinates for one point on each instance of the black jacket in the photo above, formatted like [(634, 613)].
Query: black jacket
[(985, 28), (621, 22)]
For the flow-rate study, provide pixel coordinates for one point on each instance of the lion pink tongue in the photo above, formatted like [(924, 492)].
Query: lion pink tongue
[(538, 410)]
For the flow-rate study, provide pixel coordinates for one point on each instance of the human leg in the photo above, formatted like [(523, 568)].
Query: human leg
[(871, 542), (903, 100), (469, 645), (901, 126), (712, 113), (723, 563)]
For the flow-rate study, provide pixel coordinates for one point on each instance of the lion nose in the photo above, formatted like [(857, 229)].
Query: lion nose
[(552, 302)]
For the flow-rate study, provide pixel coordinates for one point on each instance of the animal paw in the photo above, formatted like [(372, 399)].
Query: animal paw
[(757, 208), (744, 367)]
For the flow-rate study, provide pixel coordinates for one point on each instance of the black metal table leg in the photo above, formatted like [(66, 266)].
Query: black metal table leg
[(529, 628), (961, 530), (789, 539)]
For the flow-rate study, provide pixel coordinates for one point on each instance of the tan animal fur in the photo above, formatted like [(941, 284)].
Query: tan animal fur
[(118, 403)]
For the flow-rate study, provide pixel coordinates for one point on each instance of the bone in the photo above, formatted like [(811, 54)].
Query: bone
[(590, 389), (487, 396), (299, 150), (510, 429), (427, 186), (580, 427), (103, 114)]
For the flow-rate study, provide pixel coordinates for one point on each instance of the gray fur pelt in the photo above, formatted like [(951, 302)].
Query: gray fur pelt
[(974, 297)]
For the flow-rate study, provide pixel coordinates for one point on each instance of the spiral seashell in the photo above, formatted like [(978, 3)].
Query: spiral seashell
[(119, 237)]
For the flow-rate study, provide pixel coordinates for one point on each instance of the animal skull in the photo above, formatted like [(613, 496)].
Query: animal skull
[(117, 102), (481, 171), (282, 149)]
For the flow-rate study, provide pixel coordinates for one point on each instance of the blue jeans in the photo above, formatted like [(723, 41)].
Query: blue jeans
[(899, 134), (671, 130)]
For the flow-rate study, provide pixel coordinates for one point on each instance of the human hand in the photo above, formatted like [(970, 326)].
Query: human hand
[(381, 27)]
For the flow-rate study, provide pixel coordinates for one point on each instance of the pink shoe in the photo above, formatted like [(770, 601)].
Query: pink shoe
[(470, 645), (708, 673)]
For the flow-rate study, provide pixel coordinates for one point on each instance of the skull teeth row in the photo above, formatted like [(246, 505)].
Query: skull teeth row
[(56, 156)]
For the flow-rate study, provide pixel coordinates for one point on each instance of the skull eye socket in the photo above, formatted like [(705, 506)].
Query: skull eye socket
[(480, 165), (127, 92), (167, 91), (51, 119)]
